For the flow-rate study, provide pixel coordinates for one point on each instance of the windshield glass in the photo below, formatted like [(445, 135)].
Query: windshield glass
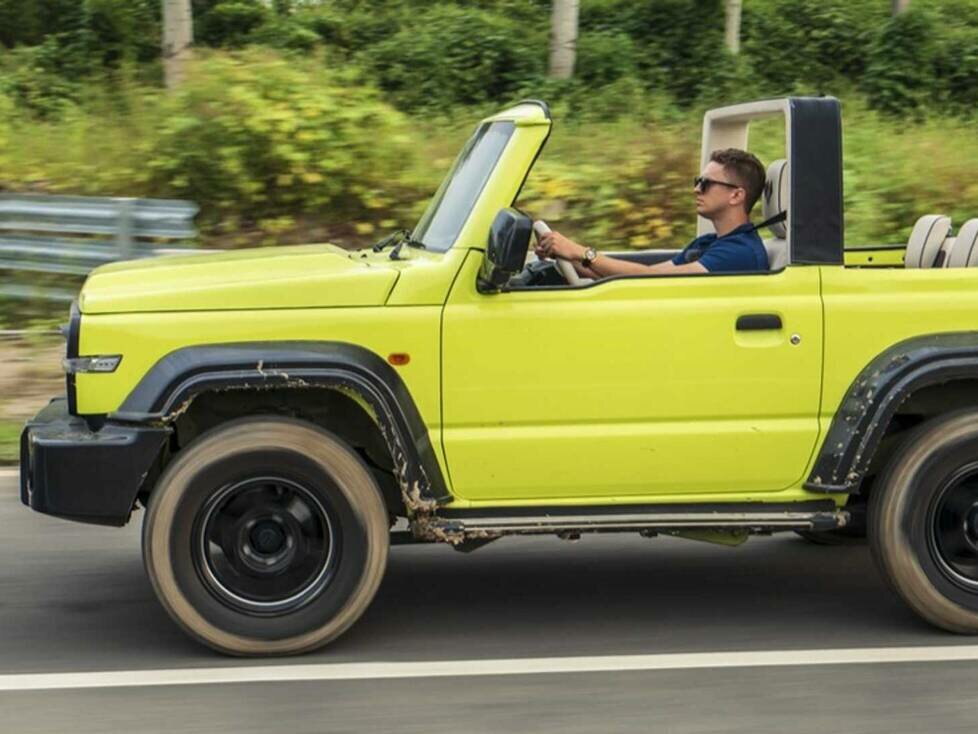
[(446, 214)]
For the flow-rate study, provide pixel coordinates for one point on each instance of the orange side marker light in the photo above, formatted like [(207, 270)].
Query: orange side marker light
[(399, 359)]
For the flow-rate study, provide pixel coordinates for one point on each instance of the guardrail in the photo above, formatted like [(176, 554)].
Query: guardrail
[(72, 235)]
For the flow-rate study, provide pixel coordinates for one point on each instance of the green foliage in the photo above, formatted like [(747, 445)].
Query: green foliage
[(604, 57), (120, 30), (257, 136), (285, 33), (451, 55), (676, 42), (10, 442), (353, 25), (956, 67), (230, 23), (32, 77), (29, 22), (809, 44), (899, 76)]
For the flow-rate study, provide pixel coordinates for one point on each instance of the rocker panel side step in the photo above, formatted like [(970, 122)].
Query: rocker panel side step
[(797, 516)]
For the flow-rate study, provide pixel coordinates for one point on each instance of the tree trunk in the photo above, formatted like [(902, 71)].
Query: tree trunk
[(900, 5), (178, 35), (732, 27), (563, 40)]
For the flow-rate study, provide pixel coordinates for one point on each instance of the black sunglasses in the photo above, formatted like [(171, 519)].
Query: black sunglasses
[(703, 184)]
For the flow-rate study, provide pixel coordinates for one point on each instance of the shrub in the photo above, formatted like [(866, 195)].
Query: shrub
[(900, 73), (956, 68), (230, 23), (809, 44), (353, 26), (285, 33), (115, 31), (262, 136), (678, 43), (31, 77), (7, 113), (451, 55), (604, 57)]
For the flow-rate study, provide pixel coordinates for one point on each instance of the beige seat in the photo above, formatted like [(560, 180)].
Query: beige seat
[(964, 251), (775, 202), (926, 240)]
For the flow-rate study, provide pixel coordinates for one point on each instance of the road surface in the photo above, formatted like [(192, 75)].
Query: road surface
[(607, 634)]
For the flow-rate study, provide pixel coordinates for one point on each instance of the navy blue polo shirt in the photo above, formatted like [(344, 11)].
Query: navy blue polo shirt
[(740, 250)]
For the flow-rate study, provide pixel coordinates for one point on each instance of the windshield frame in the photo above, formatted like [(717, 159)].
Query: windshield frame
[(470, 198)]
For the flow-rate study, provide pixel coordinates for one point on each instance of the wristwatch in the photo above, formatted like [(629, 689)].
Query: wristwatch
[(590, 255)]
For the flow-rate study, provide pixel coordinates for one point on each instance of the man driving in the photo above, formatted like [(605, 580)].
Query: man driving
[(726, 191)]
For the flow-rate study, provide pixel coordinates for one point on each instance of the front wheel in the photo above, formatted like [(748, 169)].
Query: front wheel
[(267, 536), (924, 521)]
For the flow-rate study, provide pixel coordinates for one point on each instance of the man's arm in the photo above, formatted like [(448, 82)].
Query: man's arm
[(605, 265), (554, 244)]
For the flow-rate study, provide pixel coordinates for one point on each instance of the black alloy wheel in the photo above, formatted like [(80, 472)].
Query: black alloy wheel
[(265, 545), (266, 536)]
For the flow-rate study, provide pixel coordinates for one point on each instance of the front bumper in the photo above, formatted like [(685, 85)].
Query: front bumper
[(70, 471)]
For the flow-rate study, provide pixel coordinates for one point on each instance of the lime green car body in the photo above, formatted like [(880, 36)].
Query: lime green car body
[(631, 391)]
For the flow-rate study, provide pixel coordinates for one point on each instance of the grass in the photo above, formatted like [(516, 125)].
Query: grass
[(10, 443)]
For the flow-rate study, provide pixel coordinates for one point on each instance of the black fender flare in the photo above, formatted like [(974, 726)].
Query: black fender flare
[(176, 379), (875, 396)]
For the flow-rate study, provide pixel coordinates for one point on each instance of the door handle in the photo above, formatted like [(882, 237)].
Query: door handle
[(759, 322)]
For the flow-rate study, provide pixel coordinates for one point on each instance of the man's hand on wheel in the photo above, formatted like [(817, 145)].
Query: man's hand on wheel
[(554, 244)]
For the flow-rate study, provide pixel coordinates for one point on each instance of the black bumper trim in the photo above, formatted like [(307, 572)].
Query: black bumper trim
[(69, 471)]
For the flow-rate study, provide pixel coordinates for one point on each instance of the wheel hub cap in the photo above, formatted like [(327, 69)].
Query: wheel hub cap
[(267, 537), (265, 546)]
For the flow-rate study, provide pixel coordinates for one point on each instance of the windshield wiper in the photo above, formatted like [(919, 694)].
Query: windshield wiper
[(392, 239), (410, 242)]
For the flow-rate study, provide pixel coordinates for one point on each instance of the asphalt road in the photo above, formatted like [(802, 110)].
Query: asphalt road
[(74, 598)]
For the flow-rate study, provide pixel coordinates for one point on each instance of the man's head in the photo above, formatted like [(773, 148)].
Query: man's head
[(732, 179)]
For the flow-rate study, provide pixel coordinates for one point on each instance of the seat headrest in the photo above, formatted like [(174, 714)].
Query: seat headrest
[(926, 239), (964, 253), (776, 196)]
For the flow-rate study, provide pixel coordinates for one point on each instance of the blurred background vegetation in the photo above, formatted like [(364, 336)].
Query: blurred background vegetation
[(308, 120)]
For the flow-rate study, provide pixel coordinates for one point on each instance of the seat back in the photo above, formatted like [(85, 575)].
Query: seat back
[(964, 251), (775, 202), (926, 240)]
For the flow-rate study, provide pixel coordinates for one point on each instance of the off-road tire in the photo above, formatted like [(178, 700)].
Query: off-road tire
[(901, 527), (328, 476)]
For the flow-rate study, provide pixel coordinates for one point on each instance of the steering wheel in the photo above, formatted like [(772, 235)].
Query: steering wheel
[(563, 266)]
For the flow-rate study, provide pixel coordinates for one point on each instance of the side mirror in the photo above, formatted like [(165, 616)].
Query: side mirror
[(509, 240)]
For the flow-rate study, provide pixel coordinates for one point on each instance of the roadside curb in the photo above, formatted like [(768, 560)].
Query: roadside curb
[(7, 472)]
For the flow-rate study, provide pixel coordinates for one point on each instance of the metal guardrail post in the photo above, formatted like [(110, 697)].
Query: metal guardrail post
[(123, 233)]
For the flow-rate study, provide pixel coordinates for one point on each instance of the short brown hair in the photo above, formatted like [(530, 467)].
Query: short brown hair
[(745, 170)]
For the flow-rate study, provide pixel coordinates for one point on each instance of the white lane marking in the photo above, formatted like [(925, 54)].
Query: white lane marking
[(455, 668)]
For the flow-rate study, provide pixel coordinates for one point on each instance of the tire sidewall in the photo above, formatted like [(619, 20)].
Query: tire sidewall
[(900, 520), (298, 451)]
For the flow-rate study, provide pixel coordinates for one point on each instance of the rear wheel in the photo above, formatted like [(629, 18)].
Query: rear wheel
[(267, 536), (924, 522)]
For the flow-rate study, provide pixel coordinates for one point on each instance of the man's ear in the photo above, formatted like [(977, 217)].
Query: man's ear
[(738, 197)]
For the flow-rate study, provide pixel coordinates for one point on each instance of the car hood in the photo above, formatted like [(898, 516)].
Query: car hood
[(306, 276)]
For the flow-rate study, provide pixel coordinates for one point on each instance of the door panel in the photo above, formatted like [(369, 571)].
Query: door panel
[(633, 386)]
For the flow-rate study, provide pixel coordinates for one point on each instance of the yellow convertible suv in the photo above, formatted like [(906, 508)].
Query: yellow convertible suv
[(285, 414)]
